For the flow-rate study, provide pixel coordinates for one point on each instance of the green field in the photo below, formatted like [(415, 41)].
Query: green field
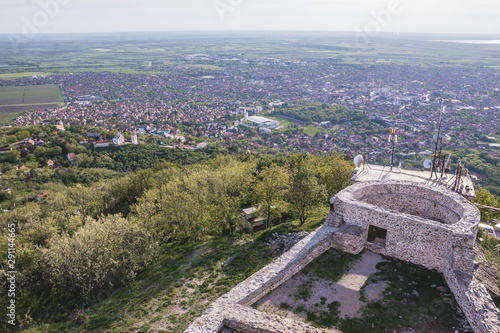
[(311, 130), (6, 117), (283, 122), (16, 99), (136, 52), (13, 76)]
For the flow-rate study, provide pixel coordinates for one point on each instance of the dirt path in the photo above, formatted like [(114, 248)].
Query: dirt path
[(349, 286), (345, 291)]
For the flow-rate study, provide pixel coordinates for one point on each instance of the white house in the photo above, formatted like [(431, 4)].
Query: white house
[(98, 144), (71, 157)]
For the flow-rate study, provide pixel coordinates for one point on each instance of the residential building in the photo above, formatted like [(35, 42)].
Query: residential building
[(71, 157), (43, 195), (99, 144)]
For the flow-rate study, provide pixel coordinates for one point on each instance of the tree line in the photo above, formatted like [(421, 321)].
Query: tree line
[(81, 244)]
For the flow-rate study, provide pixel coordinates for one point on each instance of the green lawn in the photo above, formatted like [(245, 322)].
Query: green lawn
[(283, 122), (12, 76), (311, 130)]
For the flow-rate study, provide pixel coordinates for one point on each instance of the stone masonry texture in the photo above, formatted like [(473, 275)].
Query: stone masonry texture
[(429, 226)]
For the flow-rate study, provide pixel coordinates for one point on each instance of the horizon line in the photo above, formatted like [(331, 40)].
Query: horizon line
[(255, 31)]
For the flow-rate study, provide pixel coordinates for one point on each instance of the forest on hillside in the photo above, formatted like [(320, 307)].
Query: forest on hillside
[(82, 243)]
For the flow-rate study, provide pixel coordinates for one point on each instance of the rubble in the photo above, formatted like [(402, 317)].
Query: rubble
[(284, 242)]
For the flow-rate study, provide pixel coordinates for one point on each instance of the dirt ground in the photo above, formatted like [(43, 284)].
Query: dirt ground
[(346, 291)]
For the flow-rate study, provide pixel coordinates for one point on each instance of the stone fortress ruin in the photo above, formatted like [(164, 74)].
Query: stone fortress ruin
[(420, 222)]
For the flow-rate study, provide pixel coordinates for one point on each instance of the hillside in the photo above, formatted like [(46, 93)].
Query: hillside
[(82, 244), (151, 249)]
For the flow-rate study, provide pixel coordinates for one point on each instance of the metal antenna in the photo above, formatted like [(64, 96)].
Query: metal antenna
[(393, 138), (442, 164), (438, 140), (458, 177)]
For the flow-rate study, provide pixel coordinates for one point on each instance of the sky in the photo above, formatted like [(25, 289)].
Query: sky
[(369, 16)]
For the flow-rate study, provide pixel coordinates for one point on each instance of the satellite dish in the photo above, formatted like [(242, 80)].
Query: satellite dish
[(359, 160), (436, 137), (427, 164)]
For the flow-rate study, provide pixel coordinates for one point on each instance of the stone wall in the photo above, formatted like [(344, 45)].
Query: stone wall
[(476, 303), (428, 202), (248, 320), (416, 206), (426, 242), (446, 246), (350, 238), (232, 308)]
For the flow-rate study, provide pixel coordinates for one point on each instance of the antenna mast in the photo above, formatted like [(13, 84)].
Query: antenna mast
[(393, 138), (436, 161)]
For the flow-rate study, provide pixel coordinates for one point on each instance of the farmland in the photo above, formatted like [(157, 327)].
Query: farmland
[(159, 52), (17, 99)]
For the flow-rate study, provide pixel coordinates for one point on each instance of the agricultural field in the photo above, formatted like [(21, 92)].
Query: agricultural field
[(6, 117), (13, 76), (17, 99), (141, 52)]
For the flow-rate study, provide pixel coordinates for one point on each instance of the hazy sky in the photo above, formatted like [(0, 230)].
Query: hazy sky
[(440, 16)]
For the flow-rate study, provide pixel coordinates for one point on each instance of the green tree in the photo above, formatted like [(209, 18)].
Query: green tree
[(21, 135), (335, 173), (197, 201), (55, 151), (11, 156), (270, 191), (484, 197), (41, 152), (306, 193), (102, 254)]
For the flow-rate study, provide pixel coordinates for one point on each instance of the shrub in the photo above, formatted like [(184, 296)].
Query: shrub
[(285, 306), (99, 256)]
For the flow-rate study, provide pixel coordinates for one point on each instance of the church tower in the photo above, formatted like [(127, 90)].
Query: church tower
[(134, 138)]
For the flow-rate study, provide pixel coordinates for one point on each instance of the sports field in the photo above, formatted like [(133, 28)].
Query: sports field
[(15, 99)]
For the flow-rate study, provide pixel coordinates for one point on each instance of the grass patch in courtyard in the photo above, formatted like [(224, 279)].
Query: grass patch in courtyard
[(412, 300)]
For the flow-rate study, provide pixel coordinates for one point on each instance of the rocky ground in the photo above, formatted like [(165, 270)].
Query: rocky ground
[(284, 242)]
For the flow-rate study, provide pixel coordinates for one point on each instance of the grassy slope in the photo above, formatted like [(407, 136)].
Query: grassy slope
[(185, 279), (179, 286)]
